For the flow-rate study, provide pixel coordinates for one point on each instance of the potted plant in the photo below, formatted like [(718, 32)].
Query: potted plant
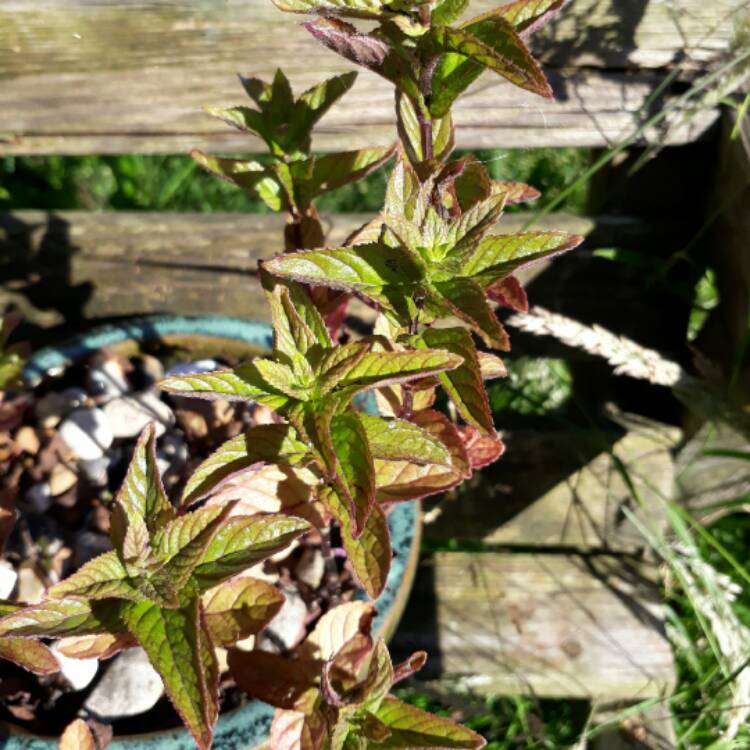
[(182, 580)]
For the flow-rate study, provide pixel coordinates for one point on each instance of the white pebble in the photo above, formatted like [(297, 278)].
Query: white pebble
[(194, 368), (108, 379), (129, 415), (8, 578), (78, 672), (87, 433)]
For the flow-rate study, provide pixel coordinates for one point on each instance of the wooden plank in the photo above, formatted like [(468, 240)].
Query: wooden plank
[(109, 77), (566, 489), (541, 624), (70, 266)]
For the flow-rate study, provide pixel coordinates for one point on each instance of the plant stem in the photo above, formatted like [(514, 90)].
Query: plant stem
[(333, 585)]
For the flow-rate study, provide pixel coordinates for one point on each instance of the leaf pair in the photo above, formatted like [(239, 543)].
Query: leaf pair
[(426, 266), (311, 382), (166, 587), (336, 693)]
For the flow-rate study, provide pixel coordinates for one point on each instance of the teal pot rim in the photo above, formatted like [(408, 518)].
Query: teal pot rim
[(247, 726)]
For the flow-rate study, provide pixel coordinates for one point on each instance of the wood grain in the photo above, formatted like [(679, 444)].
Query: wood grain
[(110, 77), (81, 265), (565, 489), (550, 625)]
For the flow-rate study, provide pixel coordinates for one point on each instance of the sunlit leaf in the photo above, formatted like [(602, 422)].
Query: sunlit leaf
[(179, 649), (31, 655), (351, 8), (141, 507), (402, 480), (488, 42), (413, 728), (337, 626), (51, 619), (102, 646), (530, 15), (481, 449), (239, 608), (104, 576), (400, 440), (464, 385), (277, 443), (243, 541)]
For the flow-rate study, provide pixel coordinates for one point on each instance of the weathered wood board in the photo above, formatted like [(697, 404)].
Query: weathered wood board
[(565, 489), (80, 265), (551, 625), (112, 77)]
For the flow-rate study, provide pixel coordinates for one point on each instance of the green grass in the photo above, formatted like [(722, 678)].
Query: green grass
[(176, 183)]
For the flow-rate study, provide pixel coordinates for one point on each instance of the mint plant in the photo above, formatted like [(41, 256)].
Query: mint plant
[(433, 268)]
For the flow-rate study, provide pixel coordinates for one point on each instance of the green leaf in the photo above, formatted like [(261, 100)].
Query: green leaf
[(314, 103), (244, 383), (466, 300), (384, 274), (240, 608), (182, 545), (103, 577), (292, 337), (251, 176), (488, 42), (369, 553), (51, 619), (281, 378), (380, 677), (399, 440), (410, 133), (30, 655), (181, 652), (249, 121), (336, 364), (498, 256), (354, 465), (243, 541), (377, 369), (141, 507), (268, 443), (464, 385), (404, 480), (448, 11), (529, 16), (413, 728), (331, 171), (352, 8)]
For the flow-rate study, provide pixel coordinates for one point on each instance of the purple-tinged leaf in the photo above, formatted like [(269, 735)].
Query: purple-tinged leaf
[(491, 366), (268, 443), (413, 728), (336, 362), (180, 650), (510, 293), (400, 440), (410, 133), (243, 541), (367, 50), (465, 299), (410, 666), (515, 192), (299, 730), (403, 480), (239, 608), (481, 450), (464, 385)]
